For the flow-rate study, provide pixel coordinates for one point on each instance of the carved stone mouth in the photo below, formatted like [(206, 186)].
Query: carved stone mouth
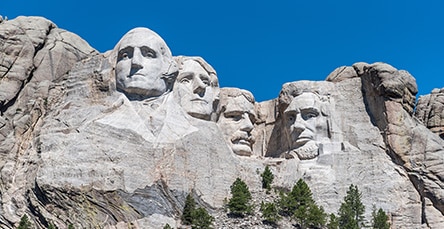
[(199, 100), (243, 141), (135, 75)]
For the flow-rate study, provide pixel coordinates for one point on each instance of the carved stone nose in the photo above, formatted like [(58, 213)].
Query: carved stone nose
[(297, 127), (199, 87), (247, 125), (136, 61)]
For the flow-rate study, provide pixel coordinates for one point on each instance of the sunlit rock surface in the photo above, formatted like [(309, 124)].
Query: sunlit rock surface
[(78, 147)]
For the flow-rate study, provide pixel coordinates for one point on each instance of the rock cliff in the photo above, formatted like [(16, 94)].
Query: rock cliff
[(119, 139)]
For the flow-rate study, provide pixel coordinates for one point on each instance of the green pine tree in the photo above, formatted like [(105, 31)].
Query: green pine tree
[(71, 226), (201, 219), (380, 219), (24, 223), (317, 217), (267, 178), (187, 214), (299, 204), (167, 226), (51, 226), (351, 212), (270, 213), (333, 222), (299, 195), (239, 204)]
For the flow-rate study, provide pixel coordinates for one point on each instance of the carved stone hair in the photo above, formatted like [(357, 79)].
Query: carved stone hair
[(207, 67), (291, 91), (169, 71), (227, 93)]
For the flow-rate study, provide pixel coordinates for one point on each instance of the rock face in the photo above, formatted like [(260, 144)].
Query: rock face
[(430, 110), (86, 139)]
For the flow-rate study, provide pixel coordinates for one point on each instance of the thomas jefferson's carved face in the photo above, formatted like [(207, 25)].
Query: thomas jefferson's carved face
[(305, 125), (196, 90), (141, 62), (236, 123)]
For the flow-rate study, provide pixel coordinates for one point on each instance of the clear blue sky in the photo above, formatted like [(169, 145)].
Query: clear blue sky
[(260, 45)]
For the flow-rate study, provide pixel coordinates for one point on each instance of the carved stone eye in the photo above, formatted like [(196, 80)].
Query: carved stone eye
[(309, 113), (147, 52), (233, 116), (290, 117)]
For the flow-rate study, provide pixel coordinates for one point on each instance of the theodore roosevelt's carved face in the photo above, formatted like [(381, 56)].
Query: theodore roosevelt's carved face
[(143, 62), (236, 120)]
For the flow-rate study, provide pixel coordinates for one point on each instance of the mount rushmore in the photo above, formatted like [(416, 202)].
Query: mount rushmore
[(119, 139)]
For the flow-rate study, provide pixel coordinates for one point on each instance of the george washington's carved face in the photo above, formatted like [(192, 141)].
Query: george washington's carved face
[(142, 60)]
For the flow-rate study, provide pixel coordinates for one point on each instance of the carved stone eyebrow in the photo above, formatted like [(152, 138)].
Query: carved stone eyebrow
[(147, 50), (310, 109), (188, 75), (128, 49), (233, 113)]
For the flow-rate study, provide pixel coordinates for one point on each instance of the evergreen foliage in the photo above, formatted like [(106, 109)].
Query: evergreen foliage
[(197, 218), (51, 226), (270, 213), (333, 222), (201, 219), (267, 178), (187, 214), (380, 219), (315, 218), (239, 204), (351, 212), (299, 204), (24, 223), (70, 226), (167, 226)]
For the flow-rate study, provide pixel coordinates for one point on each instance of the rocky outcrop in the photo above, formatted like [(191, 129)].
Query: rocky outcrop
[(76, 149), (429, 111), (34, 54), (389, 96)]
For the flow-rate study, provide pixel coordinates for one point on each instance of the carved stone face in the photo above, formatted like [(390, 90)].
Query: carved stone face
[(305, 125), (236, 123), (195, 90), (142, 59)]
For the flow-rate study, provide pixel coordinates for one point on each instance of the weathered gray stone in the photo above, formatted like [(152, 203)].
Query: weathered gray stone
[(34, 54), (77, 148), (430, 111)]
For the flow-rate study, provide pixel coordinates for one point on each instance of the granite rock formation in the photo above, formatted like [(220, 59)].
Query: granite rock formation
[(430, 110), (85, 140)]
